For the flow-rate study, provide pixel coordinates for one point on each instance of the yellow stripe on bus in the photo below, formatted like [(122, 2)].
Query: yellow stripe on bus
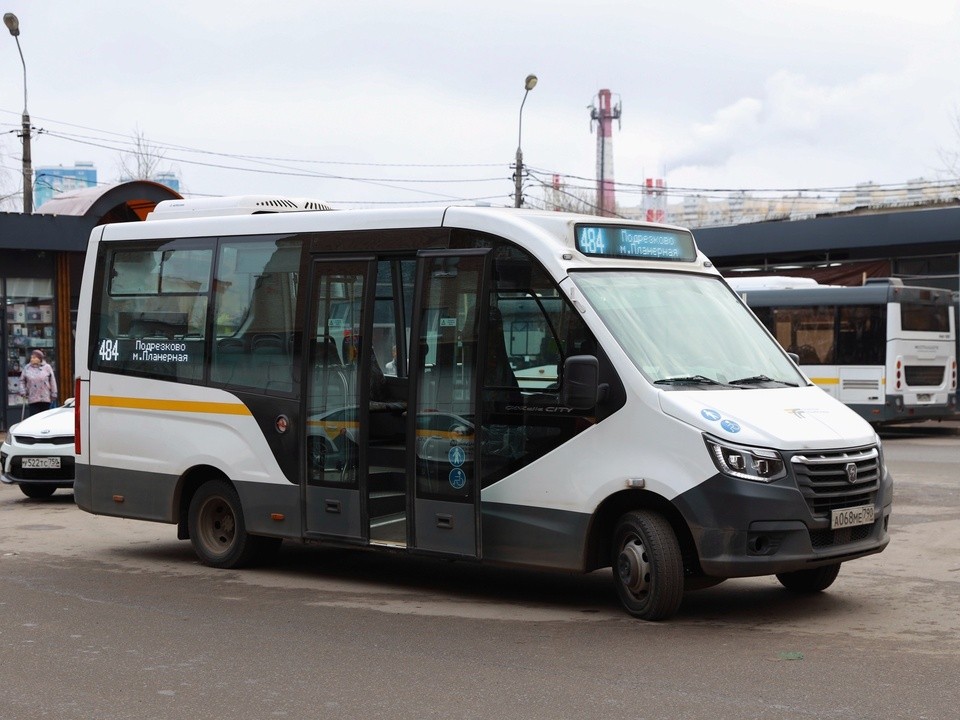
[(825, 381), (191, 406)]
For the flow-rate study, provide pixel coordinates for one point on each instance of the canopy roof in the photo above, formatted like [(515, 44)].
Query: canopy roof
[(129, 201)]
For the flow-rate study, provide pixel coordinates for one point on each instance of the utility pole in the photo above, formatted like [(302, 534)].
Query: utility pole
[(529, 84), (13, 25)]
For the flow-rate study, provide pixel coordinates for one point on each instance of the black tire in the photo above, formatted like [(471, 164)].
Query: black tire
[(217, 530), (647, 565), (37, 492), (809, 581)]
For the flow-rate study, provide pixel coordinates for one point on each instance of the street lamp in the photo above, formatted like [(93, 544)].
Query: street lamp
[(529, 84), (13, 25)]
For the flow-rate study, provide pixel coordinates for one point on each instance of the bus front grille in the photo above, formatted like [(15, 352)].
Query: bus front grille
[(836, 480)]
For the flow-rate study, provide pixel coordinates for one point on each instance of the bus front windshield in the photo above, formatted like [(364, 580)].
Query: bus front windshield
[(686, 331)]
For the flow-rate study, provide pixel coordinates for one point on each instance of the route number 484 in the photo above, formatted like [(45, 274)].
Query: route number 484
[(109, 350)]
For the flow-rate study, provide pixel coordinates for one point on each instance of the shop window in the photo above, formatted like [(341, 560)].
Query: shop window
[(30, 326)]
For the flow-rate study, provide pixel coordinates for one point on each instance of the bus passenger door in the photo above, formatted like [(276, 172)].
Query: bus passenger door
[(443, 428), (334, 484)]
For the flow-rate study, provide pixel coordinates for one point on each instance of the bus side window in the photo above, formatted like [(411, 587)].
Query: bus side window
[(254, 306), (531, 330)]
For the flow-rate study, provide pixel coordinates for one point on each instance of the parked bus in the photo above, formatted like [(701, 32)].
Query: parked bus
[(568, 393), (885, 349)]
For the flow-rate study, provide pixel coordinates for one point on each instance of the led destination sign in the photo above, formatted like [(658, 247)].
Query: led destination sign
[(635, 242)]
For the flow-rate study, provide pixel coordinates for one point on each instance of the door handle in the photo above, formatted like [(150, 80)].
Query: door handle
[(444, 521), (332, 506)]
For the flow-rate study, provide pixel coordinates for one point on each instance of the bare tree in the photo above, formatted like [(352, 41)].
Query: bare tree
[(577, 199), (142, 162), (9, 193), (951, 158)]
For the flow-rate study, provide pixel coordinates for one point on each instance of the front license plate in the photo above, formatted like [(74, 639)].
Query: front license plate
[(41, 463), (849, 517)]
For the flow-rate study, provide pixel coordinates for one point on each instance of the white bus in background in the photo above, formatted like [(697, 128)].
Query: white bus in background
[(886, 349), (569, 393)]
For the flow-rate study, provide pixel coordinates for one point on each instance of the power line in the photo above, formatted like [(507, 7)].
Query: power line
[(235, 156), (292, 167)]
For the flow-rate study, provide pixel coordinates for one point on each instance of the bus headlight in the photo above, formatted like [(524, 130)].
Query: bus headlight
[(746, 463)]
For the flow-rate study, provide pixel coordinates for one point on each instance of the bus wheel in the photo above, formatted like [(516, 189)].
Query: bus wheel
[(647, 565), (37, 492), (217, 530), (810, 581)]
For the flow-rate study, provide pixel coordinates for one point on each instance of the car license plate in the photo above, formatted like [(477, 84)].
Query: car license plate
[(849, 517), (923, 397), (41, 463)]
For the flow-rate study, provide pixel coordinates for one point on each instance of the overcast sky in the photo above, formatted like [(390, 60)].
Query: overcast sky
[(352, 101)]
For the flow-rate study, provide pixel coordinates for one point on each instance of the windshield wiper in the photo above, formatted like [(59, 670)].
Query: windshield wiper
[(759, 380), (689, 380)]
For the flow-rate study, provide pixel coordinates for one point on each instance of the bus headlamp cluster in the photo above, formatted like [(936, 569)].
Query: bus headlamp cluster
[(746, 463)]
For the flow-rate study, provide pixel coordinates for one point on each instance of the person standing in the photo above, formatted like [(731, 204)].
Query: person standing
[(38, 385)]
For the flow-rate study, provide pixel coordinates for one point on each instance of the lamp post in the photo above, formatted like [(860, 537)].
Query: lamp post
[(13, 25), (529, 84)]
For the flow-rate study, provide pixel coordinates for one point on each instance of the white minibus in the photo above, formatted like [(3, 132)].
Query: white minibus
[(524, 388)]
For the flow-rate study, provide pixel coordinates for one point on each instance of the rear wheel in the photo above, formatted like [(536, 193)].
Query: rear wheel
[(37, 492), (810, 581), (647, 565), (217, 530)]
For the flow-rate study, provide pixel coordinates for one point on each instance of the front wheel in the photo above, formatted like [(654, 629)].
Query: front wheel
[(37, 492), (217, 530), (647, 565), (810, 581)]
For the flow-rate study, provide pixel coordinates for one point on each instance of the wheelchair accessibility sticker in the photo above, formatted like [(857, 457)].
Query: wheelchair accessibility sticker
[(730, 426), (458, 478)]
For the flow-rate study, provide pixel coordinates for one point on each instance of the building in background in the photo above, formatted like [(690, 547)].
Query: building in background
[(53, 180), (56, 180), (168, 178)]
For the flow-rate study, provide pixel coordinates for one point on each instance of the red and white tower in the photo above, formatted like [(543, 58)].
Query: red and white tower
[(604, 112), (655, 200)]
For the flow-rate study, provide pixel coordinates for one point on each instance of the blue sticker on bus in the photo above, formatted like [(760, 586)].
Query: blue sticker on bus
[(458, 478), (730, 426), (711, 415), (457, 456)]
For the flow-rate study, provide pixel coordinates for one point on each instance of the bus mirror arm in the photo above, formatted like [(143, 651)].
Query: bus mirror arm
[(581, 387)]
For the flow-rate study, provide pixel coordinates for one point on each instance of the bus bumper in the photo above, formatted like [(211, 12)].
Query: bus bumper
[(746, 529)]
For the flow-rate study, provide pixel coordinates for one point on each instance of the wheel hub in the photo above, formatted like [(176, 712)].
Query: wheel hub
[(633, 568), (220, 526)]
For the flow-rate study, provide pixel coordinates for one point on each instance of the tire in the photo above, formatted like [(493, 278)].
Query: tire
[(217, 530), (647, 565), (809, 581), (37, 492)]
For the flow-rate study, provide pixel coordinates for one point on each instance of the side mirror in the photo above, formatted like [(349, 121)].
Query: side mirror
[(580, 387), (793, 356)]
